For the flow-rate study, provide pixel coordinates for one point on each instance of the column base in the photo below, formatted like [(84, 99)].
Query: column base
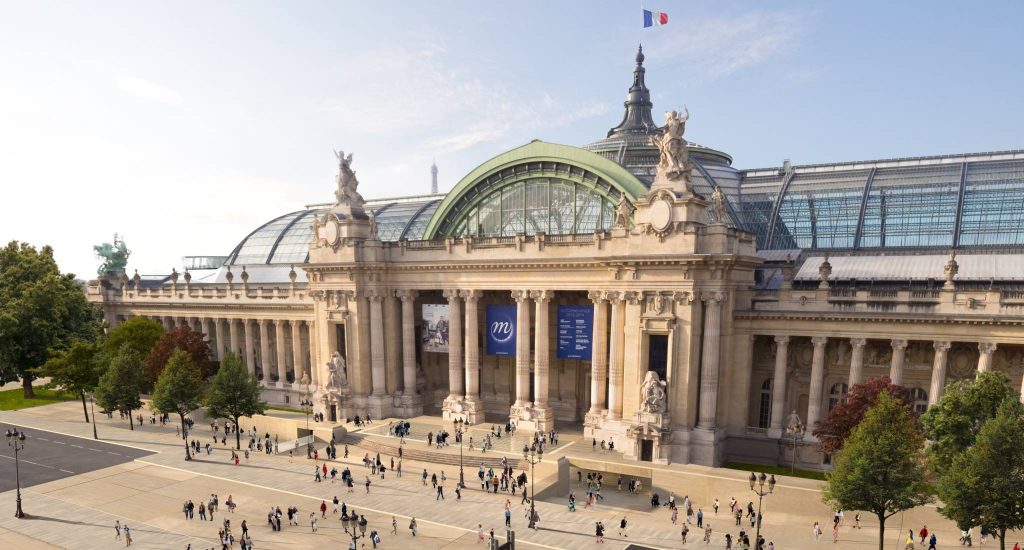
[(707, 446), (528, 417), (377, 406), (453, 408), (279, 384)]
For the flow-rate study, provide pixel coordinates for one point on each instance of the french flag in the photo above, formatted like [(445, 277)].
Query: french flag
[(654, 18)]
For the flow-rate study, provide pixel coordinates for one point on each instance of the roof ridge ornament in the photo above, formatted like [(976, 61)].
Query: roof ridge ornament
[(349, 201), (637, 119)]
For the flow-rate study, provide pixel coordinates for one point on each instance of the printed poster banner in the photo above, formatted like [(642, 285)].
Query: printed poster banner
[(575, 332), (501, 330), (435, 328)]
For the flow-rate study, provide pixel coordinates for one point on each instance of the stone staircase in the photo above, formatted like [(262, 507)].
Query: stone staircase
[(471, 460)]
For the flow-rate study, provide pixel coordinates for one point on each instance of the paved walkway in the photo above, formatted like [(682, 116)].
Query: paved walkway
[(151, 490)]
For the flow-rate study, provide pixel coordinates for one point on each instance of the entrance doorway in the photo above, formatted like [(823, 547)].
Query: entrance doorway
[(647, 450), (657, 354)]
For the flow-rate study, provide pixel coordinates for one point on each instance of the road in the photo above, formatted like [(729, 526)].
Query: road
[(48, 456)]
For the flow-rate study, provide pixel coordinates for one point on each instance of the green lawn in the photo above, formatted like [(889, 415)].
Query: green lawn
[(286, 409), (13, 399), (777, 470)]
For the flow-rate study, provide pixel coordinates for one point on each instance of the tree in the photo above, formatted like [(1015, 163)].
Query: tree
[(845, 416), (984, 484), (179, 338), (41, 311), (234, 393), (881, 467), (179, 389), (140, 333), (954, 422), (119, 387), (76, 371)]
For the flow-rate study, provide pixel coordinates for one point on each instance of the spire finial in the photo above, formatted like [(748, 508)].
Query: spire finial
[(640, 55)]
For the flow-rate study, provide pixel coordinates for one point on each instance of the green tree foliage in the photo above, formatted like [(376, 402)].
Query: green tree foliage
[(180, 338), (41, 311), (76, 371), (881, 467), (954, 422), (845, 416), (179, 389), (120, 385), (234, 393), (984, 484), (140, 333)]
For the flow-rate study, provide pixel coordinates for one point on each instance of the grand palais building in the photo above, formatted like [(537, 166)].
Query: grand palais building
[(550, 283)]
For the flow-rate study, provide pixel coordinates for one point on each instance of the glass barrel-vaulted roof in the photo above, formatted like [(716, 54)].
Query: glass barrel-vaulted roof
[(286, 239), (951, 201)]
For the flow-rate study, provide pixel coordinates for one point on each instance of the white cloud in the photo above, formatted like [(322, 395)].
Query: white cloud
[(149, 90), (715, 48)]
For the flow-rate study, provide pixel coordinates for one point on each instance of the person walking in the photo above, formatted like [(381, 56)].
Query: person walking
[(835, 532), (394, 525), (127, 536), (599, 531), (816, 531), (622, 527), (312, 521), (117, 530), (933, 541), (412, 526), (440, 493), (707, 534), (323, 508)]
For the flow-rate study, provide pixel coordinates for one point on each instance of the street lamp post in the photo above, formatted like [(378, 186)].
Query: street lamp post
[(460, 433), (307, 406), (92, 405), (796, 430), (759, 480), (16, 440), (532, 454)]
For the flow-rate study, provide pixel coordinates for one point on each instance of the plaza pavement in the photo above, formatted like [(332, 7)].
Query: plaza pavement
[(147, 494)]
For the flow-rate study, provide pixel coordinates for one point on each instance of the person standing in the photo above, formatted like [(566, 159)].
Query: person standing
[(599, 530), (700, 518), (312, 521), (508, 517)]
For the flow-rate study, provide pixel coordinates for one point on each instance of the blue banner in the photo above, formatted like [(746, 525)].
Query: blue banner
[(575, 332), (501, 330)]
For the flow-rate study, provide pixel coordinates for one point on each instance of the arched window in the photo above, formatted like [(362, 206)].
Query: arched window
[(836, 394), (539, 205), (919, 398), (764, 411)]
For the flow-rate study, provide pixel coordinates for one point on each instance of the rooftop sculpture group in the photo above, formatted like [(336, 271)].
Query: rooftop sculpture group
[(349, 201), (675, 162), (114, 255)]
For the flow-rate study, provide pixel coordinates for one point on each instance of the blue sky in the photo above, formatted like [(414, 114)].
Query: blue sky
[(184, 125)]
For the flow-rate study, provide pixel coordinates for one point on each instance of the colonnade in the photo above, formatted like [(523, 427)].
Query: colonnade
[(896, 370), (277, 360)]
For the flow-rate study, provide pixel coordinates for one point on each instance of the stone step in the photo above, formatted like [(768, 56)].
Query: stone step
[(433, 457)]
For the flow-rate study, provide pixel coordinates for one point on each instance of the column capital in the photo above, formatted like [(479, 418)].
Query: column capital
[(682, 297), (451, 294), (595, 295), (264, 322), (986, 347), (542, 295), (520, 295), (898, 344), (376, 295), (858, 342), (819, 341), (471, 295), (782, 339), (406, 295), (714, 296), (942, 345), (632, 297)]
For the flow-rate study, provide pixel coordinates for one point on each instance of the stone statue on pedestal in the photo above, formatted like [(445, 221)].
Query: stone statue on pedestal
[(652, 393), (674, 163), (115, 256), (622, 213), (349, 201), (718, 205), (337, 374)]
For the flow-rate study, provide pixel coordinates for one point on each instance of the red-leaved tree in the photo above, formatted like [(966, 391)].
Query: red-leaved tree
[(845, 416), (183, 338)]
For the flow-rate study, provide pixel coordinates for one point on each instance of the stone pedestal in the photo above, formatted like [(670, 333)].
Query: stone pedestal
[(648, 429), (706, 446)]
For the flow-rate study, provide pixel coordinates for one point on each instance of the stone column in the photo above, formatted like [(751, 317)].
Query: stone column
[(709, 359), (456, 365), (168, 323), (899, 351), (522, 298), (542, 358), (615, 355), (279, 345), (599, 357), (218, 325), (393, 348), (301, 375), (472, 350), (857, 346), (311, 354), (250, 347), (265, 349), (377, 372), (938, 371), (817, 381), (207, 327), (779, 385), (408, 298), (233, 335), (362, 383), (985, 349)]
